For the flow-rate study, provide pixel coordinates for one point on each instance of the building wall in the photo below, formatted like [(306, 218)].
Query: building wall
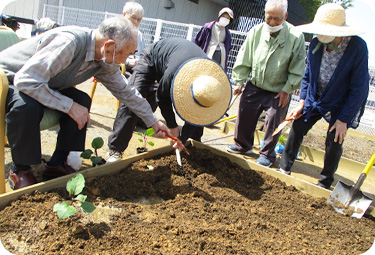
[(184, 11)]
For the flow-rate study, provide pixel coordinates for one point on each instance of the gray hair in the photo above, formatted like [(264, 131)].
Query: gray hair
[(133, 7), (282, 4), (119, 29)]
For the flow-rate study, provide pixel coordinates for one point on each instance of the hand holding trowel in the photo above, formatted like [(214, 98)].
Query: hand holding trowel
[(180, 146), (285, 122)]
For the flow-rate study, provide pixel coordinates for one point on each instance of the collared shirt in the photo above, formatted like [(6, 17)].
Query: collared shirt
[(330, 60), (274, 64), (53, 55)]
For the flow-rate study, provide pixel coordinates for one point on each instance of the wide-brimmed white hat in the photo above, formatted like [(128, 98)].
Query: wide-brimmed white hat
[(201, 91), (330, 20)]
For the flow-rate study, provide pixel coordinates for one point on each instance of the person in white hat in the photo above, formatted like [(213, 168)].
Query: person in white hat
[(187, 82), (273, 54), (214, 37), (335, 87)]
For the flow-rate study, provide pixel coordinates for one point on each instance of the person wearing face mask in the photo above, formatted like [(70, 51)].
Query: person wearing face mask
[(214, 37), (335, 87), (43, 71), (273, 54)]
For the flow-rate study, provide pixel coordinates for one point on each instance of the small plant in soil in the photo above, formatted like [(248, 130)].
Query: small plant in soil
[(145, 134), (96, 144), (74, 187)]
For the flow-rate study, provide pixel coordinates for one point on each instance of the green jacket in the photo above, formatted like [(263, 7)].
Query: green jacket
[(274, 64)]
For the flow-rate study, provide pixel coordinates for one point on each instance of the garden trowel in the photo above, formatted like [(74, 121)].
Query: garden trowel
[(349, 200), (178, 155)]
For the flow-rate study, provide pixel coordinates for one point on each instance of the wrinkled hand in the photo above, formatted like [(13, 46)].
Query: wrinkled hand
[(79, 114), (237, 90), (176, 133), (283, 98), (158, 127), (341, 129), (297, 111)]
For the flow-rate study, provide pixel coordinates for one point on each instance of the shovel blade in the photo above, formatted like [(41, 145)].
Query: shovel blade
[(340, 196)]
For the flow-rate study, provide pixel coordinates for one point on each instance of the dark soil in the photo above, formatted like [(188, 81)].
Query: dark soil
[(213, 207)]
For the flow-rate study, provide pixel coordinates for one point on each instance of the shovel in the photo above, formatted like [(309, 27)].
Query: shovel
[(349, 200)]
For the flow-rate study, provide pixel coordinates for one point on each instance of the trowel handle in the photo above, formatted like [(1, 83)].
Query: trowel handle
[(369, 165)]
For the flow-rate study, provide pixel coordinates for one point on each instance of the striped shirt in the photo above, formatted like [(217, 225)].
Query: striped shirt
[(54, 54)]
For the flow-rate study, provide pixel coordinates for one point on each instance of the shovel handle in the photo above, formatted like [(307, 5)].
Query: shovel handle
[(369, 165)]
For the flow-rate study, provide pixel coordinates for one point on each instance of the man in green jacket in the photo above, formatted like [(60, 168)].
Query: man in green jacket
[(273, 54)]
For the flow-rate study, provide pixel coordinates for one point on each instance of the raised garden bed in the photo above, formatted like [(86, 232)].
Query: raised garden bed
[(214, 207)]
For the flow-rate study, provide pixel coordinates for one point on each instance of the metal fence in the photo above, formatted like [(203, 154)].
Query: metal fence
[(156, 29)]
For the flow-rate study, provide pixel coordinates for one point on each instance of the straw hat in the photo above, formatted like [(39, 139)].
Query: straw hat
[(330, 20), (201, 91)]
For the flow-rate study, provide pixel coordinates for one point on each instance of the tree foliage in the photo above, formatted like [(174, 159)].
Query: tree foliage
[(311, 6)]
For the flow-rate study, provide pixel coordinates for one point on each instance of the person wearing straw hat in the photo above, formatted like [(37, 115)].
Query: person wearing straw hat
[(196, 87), (214, 37), (273, 54), (335, 87)]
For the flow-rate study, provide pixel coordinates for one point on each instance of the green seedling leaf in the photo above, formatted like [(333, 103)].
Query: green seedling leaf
[(88, 207), (81, 198), (141, 140), (138, 133), (96, 160), (87, 154), (64, 210), (151, 143), (150, 131), (75, 185), (97, 143)]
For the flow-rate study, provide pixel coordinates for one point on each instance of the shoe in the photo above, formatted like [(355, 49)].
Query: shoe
[(233, 149), (263, 161), (323, 186), (113, 156), (21, 179), (284, 171), (51, 172)]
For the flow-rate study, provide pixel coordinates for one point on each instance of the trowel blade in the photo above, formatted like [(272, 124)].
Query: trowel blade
[(357, 207)]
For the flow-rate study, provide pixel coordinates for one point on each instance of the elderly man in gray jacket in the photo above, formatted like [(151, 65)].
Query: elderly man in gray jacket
[(42, 72)]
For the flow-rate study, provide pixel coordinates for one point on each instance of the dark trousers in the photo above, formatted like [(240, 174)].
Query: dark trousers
[(252, 103), (126, 120), (23, 118), (333, 150)]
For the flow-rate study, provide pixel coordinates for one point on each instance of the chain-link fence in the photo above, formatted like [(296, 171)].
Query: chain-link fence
[(156, 29)]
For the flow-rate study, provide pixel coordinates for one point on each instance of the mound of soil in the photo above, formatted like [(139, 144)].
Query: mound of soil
[(212, 207)]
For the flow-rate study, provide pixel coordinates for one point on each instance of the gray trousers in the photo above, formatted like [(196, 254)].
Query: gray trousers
[(253, 102)]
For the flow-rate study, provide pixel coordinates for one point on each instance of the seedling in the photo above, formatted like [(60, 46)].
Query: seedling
[(96, 144), (74, 187), (145, 134), (282, 140)]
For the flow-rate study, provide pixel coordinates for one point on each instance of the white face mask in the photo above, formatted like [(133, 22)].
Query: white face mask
[(273, 29), (223, 21), (325, 38), (109, 64)]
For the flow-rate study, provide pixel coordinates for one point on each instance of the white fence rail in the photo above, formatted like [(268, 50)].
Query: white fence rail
[(156, 29)]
